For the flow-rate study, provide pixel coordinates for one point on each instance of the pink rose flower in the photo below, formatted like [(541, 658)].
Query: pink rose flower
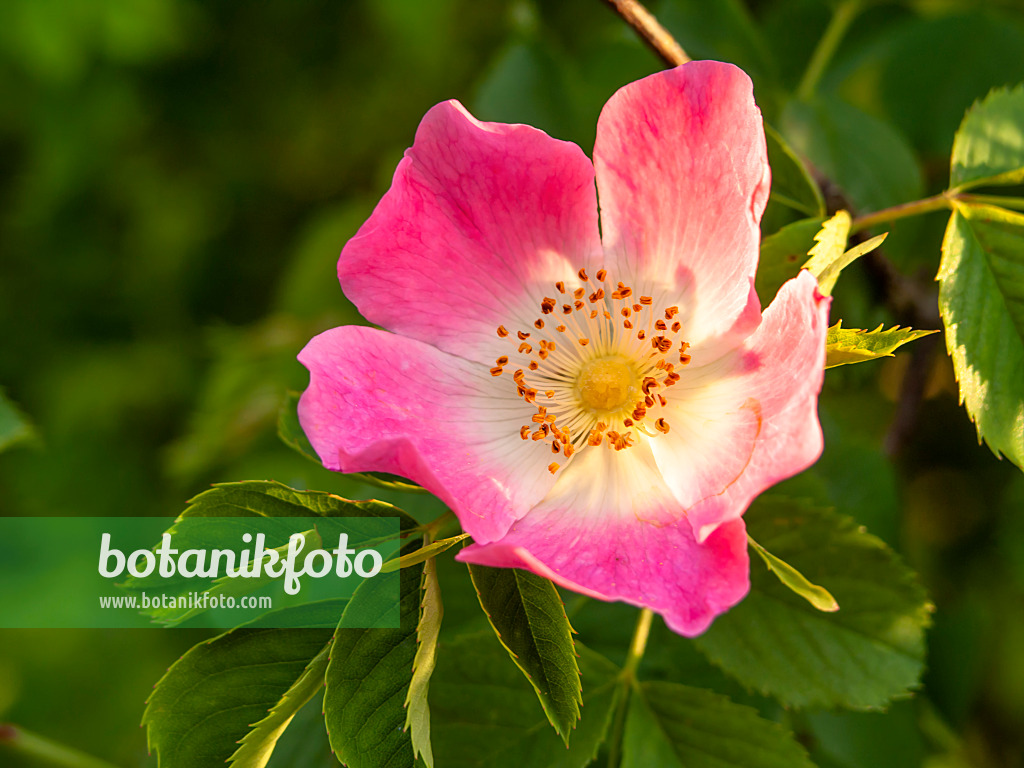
[(598, 404)]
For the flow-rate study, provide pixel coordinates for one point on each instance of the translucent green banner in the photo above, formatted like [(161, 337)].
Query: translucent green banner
[(218, 572)]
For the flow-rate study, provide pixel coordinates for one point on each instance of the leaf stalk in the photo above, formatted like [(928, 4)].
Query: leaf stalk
[(44, 751), (627, 681), (904, 210), (837, 27)]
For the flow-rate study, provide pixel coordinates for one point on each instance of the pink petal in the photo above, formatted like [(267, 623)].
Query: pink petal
[(611, 529), (381, 402), (480, 220), (749, 420), (683, 178)]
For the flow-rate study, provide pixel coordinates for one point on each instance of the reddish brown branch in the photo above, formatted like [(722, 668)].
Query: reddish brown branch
[(655, 35)]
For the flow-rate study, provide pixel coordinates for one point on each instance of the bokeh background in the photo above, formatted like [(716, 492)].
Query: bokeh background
[(177, 178)]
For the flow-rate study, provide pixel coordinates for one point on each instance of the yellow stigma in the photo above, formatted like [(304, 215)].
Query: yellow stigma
[(607, 385)]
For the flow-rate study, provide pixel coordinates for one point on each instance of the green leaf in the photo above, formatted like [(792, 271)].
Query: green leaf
[(485, 715), (417, 708), (676, 726), (527, 614), (14, 427), (209, 699), (233, 504), (258, 745), (228, 586), (866, 157), (783, 255), (268, 498), (860, 657), (427, 552), (368, 681), (989, 146), (844, 346), (981, 298), (817, 596), (792, 184)]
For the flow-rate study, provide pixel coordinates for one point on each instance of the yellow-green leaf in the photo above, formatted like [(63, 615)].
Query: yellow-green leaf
[(817, 596), (855, 345), (830, 242), (258, 745), (425, 553), (829, 257), (417, 717)]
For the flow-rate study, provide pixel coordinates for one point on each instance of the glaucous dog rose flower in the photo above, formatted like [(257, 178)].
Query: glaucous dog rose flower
[(596, 405)]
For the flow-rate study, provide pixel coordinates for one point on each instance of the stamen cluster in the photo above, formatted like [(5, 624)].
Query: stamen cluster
[(589, 334)]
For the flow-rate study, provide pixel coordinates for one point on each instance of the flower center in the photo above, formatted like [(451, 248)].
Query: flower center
[(597, 369), (605, 385)]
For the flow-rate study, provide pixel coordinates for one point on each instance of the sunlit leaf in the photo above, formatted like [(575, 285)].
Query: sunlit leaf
[(855, 345), (989, 146), (427, 631), (981, 298), (827, 279), (829, 257), (817, 596), (829, 244), (426, 552)]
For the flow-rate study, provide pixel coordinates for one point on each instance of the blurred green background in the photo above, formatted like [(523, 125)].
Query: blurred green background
[(177, 178)]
